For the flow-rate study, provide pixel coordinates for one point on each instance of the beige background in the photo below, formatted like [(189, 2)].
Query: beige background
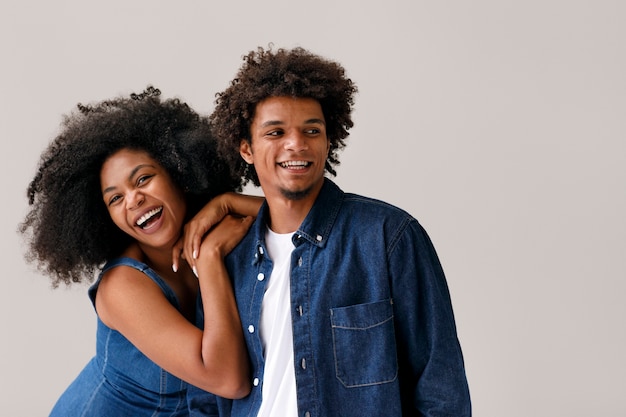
[(500, 125)]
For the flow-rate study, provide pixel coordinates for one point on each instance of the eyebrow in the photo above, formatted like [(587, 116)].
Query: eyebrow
[(130, 176), (306, 122)]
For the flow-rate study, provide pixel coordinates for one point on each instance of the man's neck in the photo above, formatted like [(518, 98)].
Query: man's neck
[(286, 215)]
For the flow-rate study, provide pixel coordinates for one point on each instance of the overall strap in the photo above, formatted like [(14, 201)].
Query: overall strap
[(140, 266)]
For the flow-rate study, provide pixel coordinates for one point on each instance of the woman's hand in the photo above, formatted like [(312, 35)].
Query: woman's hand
[(188, 246), (224, 236)]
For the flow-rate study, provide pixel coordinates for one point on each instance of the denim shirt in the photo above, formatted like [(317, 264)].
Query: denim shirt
[(373, 327)]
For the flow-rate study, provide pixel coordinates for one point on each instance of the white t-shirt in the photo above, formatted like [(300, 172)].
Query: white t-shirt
[(279, 381)]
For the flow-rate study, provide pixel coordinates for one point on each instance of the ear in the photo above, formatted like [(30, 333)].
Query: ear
[(245, 150)]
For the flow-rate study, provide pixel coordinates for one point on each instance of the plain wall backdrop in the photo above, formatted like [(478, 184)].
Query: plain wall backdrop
[(500, 125)]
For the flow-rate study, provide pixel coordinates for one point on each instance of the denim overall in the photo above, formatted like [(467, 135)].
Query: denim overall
[(120, 380)]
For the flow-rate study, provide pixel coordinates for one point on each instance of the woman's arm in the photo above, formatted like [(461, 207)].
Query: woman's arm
[(223, 344), (213, 358), (206, 218)]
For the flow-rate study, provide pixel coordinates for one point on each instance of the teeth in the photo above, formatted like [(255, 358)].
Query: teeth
[(294, 164), (143, 219)]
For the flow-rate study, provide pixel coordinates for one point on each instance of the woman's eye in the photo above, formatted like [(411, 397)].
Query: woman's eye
[(114, 199), (143, 179)]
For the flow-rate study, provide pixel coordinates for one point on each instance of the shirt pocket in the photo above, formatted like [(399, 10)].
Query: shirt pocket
[(364, 344)]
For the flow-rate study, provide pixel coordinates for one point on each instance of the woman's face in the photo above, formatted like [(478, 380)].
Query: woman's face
[(142, 199)]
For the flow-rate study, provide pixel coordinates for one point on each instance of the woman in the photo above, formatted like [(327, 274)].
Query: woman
[(110, 197)]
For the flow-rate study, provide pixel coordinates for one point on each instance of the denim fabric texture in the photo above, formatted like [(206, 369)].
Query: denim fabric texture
[(120, 380), (373, 327)]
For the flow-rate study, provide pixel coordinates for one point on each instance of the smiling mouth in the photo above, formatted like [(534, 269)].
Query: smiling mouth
[(295, 164), (145, 220)]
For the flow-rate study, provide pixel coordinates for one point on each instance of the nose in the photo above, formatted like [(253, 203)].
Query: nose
[(134, 199), (295, 141)]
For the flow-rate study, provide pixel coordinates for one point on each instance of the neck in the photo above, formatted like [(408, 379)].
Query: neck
[(287, 215), (159, 260)]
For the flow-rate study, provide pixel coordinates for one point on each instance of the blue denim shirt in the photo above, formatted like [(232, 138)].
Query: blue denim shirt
[(373, 327)]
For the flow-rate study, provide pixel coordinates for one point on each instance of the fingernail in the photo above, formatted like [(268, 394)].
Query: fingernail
[(195, 254), (195, 271)]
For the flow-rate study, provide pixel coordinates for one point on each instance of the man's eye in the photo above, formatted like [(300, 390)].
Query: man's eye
[(313, 131), (274, 133)]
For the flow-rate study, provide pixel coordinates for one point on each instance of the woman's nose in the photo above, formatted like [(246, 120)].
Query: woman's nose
[(134, 199)]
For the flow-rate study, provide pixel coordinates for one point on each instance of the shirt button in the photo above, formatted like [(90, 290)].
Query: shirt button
[(300, 261), (307, 414), (300, 310), (303, 363), (260, 250), (319, 238), (255, 382), (261, 276), (250, 329)]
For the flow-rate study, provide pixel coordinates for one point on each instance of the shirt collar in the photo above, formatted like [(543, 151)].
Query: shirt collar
[(317, 224)]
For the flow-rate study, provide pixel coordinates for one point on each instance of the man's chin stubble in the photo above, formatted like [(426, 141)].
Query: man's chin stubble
[(296, 195)]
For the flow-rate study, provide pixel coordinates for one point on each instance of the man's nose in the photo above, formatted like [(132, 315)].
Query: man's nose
[(296, 141)]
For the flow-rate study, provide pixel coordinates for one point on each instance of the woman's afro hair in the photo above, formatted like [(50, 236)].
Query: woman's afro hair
[(68, 228), (292, 73)]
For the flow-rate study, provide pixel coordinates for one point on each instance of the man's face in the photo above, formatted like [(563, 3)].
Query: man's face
[(288, 147)]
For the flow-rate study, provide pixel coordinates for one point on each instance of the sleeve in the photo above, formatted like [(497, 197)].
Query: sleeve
[(430, 360)]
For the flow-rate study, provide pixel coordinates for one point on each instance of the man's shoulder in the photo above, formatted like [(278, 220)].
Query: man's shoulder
[(358, 203), (247, 246), (333, 199)]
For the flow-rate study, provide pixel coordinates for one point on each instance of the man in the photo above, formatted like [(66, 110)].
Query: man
[(343, 302)]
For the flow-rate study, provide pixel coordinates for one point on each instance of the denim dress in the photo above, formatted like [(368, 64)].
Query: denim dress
[(120, 380)]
